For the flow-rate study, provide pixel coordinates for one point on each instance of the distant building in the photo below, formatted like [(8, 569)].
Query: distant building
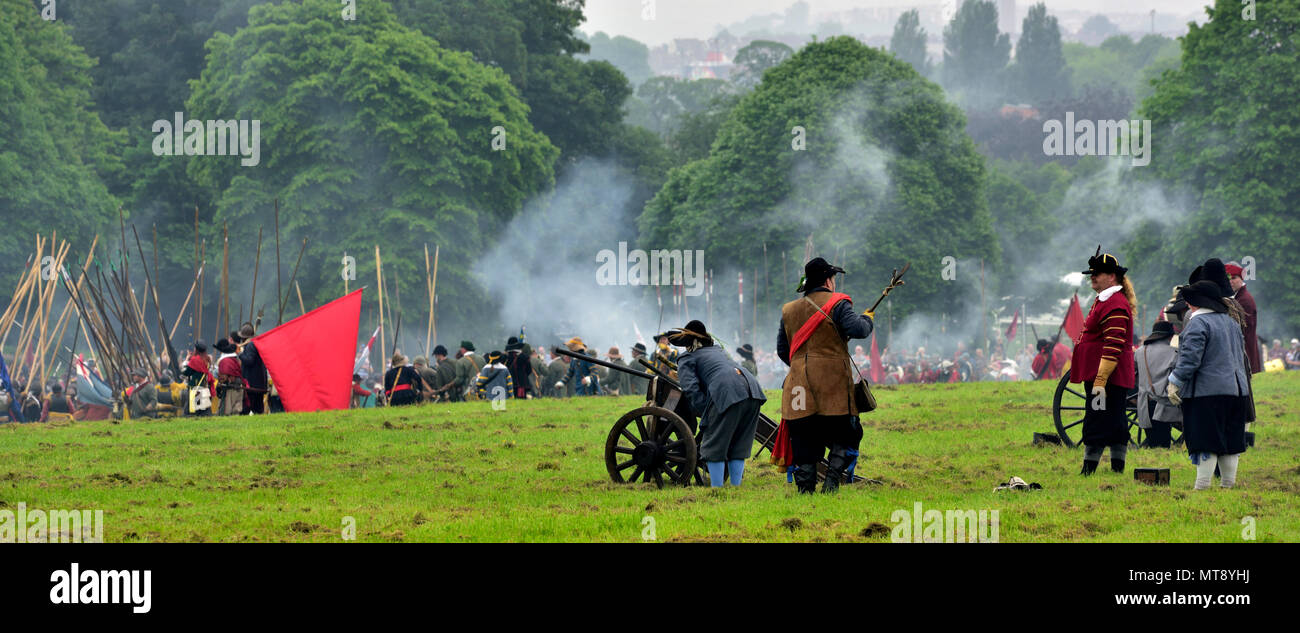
[(1007, 22)]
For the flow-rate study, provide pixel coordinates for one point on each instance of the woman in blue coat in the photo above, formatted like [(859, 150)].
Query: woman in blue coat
[(725, 396), (1209, 381)]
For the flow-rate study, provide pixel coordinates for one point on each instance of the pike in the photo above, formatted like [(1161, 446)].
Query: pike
[(162, 326)]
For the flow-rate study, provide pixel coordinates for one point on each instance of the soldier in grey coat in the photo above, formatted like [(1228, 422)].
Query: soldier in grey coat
[(1209, 381), (726, 397), (1156, 414)]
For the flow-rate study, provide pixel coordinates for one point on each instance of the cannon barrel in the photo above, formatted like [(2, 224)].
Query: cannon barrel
[(662, 376), (615, 366)]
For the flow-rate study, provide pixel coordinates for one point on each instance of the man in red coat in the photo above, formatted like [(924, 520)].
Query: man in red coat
[(1060, 355), (1248, 305), (1103, 362)]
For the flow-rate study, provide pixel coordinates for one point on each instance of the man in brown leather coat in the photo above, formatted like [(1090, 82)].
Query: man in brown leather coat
[(817, 397)]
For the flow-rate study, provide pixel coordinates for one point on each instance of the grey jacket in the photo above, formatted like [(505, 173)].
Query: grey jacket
[(1211, 358), (1154, 362), (714, 382)]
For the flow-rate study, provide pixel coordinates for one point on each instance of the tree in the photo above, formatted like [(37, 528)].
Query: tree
[(578, 105), (908, 42), (885, 162), (371, 129), (55, 152), (1227, 132), (1040, 73), (755, 58), (662, 102), (628, 55), (1096, 30), (975, 55)]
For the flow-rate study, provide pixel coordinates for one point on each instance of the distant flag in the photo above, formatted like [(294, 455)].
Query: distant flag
[(90, 388), (363, 356), (877, 369), (1074, 319), (1011, 331), (639, 338)]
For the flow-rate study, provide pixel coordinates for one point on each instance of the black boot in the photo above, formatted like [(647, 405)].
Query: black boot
[(1089, 467), (1116, 465), (835, 469), (805, 477)]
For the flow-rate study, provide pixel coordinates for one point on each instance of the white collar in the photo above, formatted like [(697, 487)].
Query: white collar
[(1106, 294), (225, 356), (1198, 312)]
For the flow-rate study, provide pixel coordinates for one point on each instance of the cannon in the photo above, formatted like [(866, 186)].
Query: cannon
[(660, 440), (1069, 404)]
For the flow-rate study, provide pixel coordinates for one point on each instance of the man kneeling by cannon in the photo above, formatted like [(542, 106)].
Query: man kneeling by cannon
[(728, 397)]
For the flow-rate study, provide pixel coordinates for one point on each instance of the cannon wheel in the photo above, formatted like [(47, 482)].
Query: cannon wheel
[(651, 444), (1070, 403)]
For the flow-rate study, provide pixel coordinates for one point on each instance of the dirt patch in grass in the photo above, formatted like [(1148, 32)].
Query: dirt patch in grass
[(874, 530)]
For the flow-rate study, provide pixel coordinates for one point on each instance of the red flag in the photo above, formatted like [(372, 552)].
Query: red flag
[(877, 371), (1074, 319), (310, 358), (1011, 331)]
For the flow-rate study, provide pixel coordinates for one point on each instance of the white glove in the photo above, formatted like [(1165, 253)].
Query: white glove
[(586, 381), (559, 385), (1172, 391)]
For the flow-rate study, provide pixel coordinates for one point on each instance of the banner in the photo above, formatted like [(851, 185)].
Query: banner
[(1011, 331), (1074, 319), (310, 358)]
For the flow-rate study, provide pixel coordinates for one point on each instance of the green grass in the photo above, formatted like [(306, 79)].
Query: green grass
[(536, 473)]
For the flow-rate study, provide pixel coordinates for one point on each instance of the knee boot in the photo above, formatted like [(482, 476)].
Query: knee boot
[(1117, 465), (1089, 467), (805, 477), (836, 468)]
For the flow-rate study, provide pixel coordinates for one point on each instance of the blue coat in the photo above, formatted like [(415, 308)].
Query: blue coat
[(1211, 358), (713, 382)]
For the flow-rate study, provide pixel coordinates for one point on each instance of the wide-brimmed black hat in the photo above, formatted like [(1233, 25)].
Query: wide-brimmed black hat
[(225, 346), (1204, 294), (638, 349), (816, 271), (684, 336), (493, 356), (1043, 344), (1104, 263), (513, 343), (1215, 270), (1159, 331), (440, 351), (746, 350)]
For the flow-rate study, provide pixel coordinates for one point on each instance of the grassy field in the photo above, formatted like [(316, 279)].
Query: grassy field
[(536, 473)]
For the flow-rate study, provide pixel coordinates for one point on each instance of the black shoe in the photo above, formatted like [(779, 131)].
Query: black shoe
[(836, 468), (805, 477), (1116, 465), (1089, 467)]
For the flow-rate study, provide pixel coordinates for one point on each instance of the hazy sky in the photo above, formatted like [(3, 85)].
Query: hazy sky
[(699, 18)]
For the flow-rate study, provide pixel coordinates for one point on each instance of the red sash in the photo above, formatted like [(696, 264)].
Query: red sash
[(782, 451), (398, 388), (806, 330)]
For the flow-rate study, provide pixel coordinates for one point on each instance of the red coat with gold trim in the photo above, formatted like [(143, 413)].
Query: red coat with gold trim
[(1088, 350)]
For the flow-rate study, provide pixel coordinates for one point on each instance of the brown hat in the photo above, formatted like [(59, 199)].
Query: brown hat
[(613, 353), (246, 331), (398, 359)]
